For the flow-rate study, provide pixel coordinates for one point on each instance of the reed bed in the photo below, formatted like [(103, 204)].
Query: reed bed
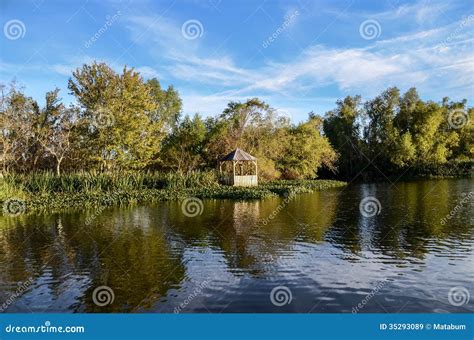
[(91, 182), (47, 191)]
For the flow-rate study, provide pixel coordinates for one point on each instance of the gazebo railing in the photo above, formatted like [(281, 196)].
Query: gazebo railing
[(244, 181)]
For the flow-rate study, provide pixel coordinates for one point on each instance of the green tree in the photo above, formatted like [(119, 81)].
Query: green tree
[(240, 116), (183, 148), (307, 151), (169, 104), (253, 126), (380, 132), (342, 127), (124, 127)]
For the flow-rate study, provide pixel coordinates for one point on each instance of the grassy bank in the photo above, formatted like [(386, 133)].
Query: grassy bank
[(46, 191)]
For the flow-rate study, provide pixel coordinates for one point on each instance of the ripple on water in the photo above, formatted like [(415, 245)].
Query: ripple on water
[(318, 246)]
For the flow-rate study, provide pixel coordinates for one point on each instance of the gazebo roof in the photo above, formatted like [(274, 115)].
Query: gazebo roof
[(238, 155)]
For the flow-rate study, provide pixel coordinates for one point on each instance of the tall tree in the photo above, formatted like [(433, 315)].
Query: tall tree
[(169, 104), (125, 125), (58, 139), (183, 148), (380, 132), (307, 151), (342, 128)]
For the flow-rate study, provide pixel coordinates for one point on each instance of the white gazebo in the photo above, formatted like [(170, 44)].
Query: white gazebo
[(239, 168)]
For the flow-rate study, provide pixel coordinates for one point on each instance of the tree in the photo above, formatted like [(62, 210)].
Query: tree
[(380, 132), (240, 116), (168, 103), (183, 148), (126, 125), (57, 140), (342, 128), (19, 117), (253, 126), (307, 151)]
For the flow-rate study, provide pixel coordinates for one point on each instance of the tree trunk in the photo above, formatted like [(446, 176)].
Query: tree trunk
[(58, 166)]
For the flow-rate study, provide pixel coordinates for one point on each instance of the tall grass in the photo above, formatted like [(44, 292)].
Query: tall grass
[(94, 182), (47, 191), (8, 190)]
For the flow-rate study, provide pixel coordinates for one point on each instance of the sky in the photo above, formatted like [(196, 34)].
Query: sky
[(299, 56)]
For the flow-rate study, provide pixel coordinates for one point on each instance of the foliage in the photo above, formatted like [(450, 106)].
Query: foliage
[(182, 149), (119, 112), (394, 134), (76, 190), (307, 151), (122, 122), (92, 182)]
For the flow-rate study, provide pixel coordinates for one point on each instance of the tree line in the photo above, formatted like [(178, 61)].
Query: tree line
[(121, 121)]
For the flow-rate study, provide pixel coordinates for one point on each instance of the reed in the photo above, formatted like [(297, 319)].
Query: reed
[(46, 190), (90, 182)]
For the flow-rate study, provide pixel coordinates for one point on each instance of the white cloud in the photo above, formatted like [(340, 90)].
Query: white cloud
[(438, 61), (318, 66), (414, 59), (422, 11), (148, 72)]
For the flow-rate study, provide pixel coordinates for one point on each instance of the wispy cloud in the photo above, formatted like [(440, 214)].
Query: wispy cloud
[(422, 11), (424, 44), (414, 59)]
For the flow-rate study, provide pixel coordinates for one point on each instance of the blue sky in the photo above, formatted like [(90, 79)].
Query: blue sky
[(299, 56)]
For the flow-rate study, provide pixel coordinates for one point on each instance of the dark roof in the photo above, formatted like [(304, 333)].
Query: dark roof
[(238, 155)]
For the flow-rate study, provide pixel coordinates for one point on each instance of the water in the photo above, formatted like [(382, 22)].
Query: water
[(317, 252)]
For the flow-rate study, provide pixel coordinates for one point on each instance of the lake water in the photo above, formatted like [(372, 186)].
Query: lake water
[(308, 253)]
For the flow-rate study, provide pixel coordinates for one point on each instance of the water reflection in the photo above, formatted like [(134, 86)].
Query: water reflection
[(319, 245)]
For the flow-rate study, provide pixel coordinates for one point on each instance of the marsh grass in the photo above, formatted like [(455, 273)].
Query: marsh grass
[(91, 182), (45, 191)]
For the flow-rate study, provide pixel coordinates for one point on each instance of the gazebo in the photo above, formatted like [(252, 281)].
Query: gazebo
[(239, 168)]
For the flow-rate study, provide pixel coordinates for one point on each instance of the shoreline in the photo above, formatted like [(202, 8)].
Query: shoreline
[(150, 188), (61, 201)]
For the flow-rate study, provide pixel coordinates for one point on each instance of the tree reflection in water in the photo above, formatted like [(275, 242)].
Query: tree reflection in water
[(153, 257)]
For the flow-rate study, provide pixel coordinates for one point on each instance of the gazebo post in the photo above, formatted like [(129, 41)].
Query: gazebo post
[(233, 172)]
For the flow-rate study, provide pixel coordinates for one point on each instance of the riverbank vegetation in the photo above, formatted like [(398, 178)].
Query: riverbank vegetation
[(126, 134), (396, 135), (91, 189)]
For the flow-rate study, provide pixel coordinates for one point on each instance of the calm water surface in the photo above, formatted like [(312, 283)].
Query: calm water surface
[(231, 257)]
